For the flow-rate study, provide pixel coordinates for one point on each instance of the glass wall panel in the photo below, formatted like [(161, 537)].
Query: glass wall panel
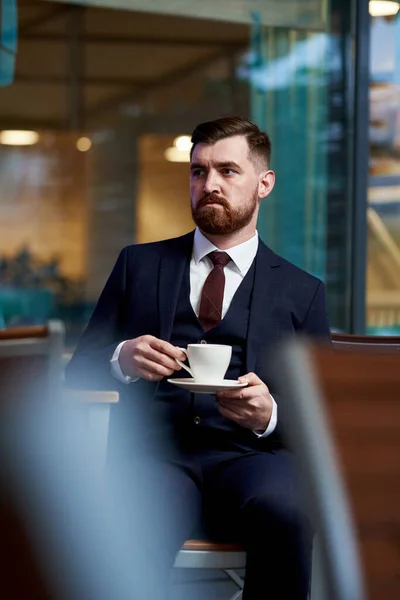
[(383, 273), (289, 99), (106, 88)]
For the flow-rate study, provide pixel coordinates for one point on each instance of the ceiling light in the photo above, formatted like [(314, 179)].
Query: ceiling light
[(183, 143), (83, 144), (383, 8), (18, 137), (173, 154)]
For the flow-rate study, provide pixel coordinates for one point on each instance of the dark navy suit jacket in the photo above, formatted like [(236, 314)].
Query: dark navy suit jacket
[(140, 298)]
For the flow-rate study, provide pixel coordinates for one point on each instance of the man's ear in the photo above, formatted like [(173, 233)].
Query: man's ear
[(266, 183)]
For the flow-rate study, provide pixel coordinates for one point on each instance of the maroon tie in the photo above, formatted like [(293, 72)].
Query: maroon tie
[(213, 291)]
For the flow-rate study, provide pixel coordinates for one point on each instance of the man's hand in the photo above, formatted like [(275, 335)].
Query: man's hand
[(149, 358), (250, 407)]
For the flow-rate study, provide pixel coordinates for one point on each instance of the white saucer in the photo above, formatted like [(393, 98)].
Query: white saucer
[(207, 388)]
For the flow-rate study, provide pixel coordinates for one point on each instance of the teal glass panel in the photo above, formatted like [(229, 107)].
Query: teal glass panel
[(8, 40), (287, 75)]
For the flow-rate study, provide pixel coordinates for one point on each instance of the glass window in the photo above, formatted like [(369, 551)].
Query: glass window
[(104, 93), (383, 274)]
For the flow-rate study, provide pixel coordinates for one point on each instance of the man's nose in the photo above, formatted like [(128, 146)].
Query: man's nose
[(211, 184)]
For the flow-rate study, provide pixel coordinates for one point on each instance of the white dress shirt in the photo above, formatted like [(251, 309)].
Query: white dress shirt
[(242, 257)]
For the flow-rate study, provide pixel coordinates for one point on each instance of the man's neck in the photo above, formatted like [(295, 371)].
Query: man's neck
[(224, 242)]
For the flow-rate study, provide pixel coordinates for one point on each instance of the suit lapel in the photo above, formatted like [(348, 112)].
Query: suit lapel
[(267, 282), (172, 266), (266, 289)]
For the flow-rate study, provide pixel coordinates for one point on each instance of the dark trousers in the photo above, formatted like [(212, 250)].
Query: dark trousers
[(249, 498)]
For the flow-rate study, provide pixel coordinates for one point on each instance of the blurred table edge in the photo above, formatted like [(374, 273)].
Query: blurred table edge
[(90, 396)]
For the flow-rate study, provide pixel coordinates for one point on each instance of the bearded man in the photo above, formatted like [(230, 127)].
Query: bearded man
[(226, 465)]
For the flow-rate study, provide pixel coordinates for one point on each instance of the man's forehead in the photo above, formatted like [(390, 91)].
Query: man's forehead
[(234, 148)]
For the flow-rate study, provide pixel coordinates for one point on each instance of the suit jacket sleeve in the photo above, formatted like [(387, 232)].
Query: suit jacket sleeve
[(315, 325), (90, 365)]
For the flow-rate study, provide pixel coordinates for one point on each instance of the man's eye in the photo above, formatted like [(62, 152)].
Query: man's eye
[(229, 172), (198, 172)]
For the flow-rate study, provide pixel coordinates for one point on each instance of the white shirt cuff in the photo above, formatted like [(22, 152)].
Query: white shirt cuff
[(116, 370), (272, 422)]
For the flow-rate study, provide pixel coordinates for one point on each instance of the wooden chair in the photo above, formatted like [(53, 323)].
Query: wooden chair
[(366, 343), (205, 554), (345, 429), (31, 362)]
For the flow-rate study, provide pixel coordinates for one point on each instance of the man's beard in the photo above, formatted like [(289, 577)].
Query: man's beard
[(225, 220)]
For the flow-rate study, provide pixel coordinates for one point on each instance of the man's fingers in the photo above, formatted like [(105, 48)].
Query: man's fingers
[(167, 348), (155, 367), (147, 348), (244, 393), (232, 408), (238, 396), (140, 358), (251, 379), (161, 359), (229, 414)]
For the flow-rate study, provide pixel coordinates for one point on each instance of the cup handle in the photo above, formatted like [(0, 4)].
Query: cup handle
[(181, 364)]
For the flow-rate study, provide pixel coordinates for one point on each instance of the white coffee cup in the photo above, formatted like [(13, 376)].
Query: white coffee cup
[(208, 362)]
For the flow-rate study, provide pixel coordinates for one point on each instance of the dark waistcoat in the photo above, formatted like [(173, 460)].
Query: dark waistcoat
[(194, 419)]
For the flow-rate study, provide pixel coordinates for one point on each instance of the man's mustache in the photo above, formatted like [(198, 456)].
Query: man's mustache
[(212, 199)]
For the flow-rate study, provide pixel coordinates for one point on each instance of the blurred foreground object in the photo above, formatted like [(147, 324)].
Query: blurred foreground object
[(345, 430), (68, 530), (94, 411), (69, 533)]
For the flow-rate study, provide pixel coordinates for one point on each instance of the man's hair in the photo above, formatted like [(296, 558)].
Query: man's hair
[(226, 127)]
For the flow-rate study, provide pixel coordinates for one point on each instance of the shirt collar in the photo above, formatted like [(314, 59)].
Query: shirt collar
[(242, 254)]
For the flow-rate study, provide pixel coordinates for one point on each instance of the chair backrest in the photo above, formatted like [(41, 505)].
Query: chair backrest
[(347, 409), (31, 362), (366, 343)]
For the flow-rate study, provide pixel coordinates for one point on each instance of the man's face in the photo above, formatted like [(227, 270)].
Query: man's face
[(224, 186)]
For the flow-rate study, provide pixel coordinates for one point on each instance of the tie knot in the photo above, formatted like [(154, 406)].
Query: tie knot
[(219, 258)]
